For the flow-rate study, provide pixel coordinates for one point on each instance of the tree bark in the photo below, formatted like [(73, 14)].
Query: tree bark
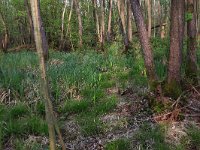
[(192, 43), (102, 34), (96, 18), (109, 20), (62, 26), (76, 3), (129, 22), (5, 38), (28, 10), (40, 45), (176, 42), (144, 40), (121, 10), (149, 17)]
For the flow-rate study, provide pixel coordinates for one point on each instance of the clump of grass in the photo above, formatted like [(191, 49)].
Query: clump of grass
[(120, 144), (19, 110), (90, 124), (151, 136), (105, 106), (35, 125), (40, 108), (194, 136), (75, 106)]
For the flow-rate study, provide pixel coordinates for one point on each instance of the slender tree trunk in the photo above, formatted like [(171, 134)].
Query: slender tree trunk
[(31, 32), (109, 20), (149, 17), (5, 38), (192, 43), (96, 18), (121, 10), (102, 25), (62, 26), (70, 16), (162, 28), (129, 22), (144, 40), (76, 3), (40, 41), (176, 44)]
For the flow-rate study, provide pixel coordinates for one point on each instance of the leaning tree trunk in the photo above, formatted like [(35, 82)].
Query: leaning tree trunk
[(176, 45), (36, 11), (144, 40), (191, 70), (76, 3), (41, 43)]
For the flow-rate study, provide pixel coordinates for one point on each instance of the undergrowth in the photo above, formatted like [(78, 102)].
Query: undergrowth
[(78, 85)]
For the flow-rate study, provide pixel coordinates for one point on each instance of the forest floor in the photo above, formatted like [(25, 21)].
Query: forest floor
[(101, 101)]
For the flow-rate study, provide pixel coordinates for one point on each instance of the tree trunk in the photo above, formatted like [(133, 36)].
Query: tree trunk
[(176, 45), (109, 20), (121, 10), (144, 40), (76, 3), (192, 43), (96, 19), (31, 32), (62, 26), (40, 41), (102, 34), (149, 17), (129, 22), (4, 41)]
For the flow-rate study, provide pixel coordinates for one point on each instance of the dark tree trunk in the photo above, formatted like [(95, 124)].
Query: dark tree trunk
[(144, 40), (192, 43)]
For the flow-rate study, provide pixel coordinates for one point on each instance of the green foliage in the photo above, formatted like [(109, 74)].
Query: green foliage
[(18, 111), (147, 134), (75, 106), (120, 144), (188, 16), (194, 135), (90, 124)]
